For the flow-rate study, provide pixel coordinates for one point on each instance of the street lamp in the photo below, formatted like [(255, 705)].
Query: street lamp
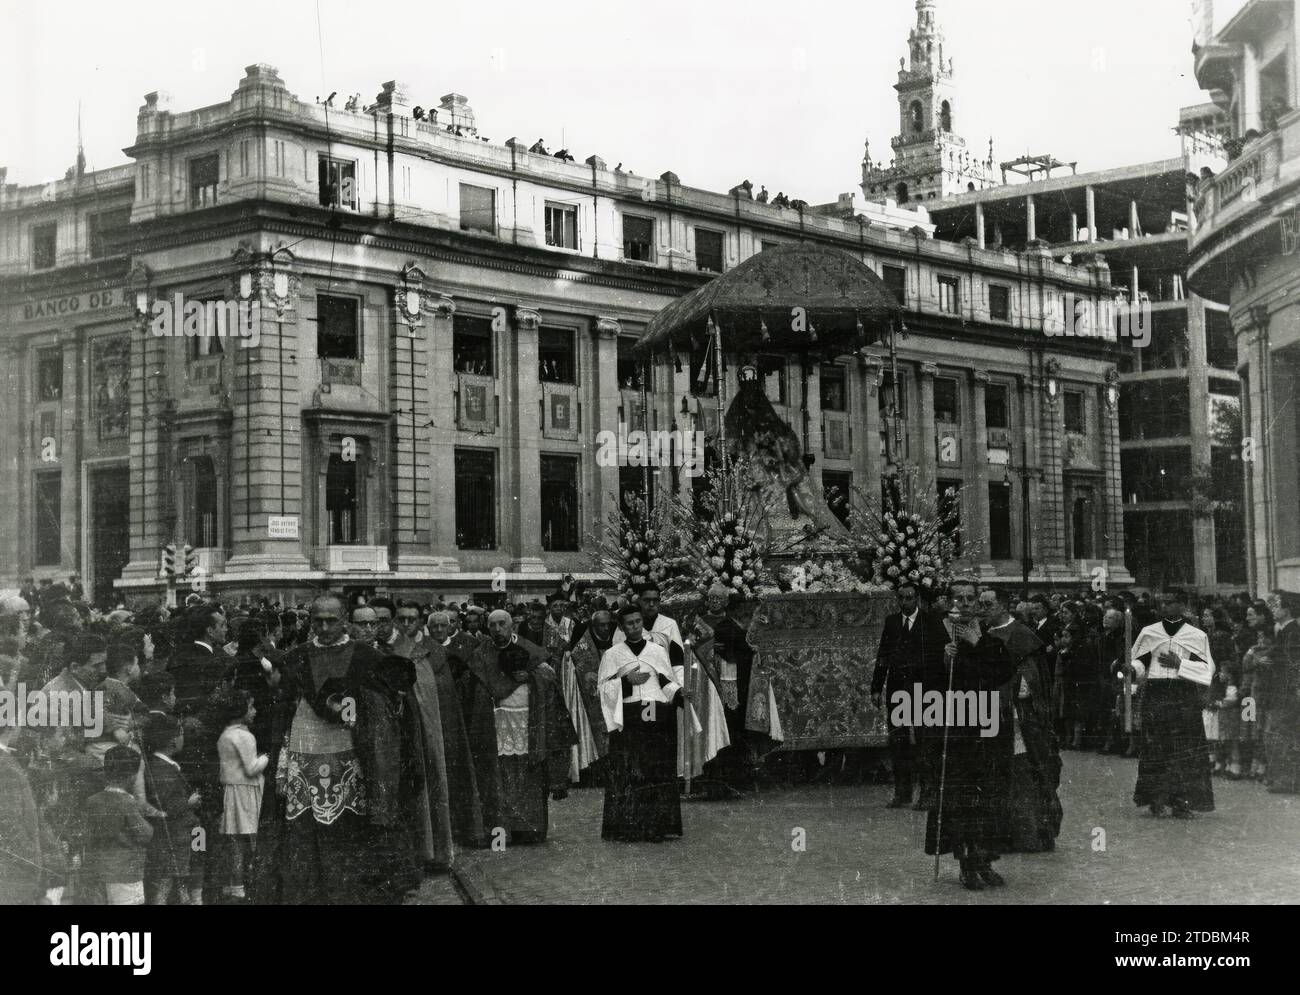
[(1053, 381), (1112, 388)]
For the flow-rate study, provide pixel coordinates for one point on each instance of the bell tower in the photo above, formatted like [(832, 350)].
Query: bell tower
[(930, 159)]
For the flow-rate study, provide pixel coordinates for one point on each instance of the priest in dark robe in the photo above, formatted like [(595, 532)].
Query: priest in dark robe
[(433, 812), (968, 815), (346, 778), (464, 804), (515, 685), (1174, 762), (640, 698), (1033, 810), (722, 647), (585, 655)]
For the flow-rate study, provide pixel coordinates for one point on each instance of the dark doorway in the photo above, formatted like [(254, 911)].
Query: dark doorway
[(110, 529)]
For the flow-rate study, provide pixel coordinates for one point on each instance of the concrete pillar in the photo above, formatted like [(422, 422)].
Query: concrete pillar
[(1134, 296), (814, 406), (410, 536), (1091, 197), (1031, 218), (1113, 521), (15, 530), (1028, 461), (1198, 387), (1248, 105), (977, 458), (525, 509), (1284, 443), (68, 434), (268, 469), (1049, 519), (927, 454), (1295, 59), (864, 386), (1074, 226), (1253, 344), (679, 389), (148, 373), (442, 412), (979, 224), (604, 403)]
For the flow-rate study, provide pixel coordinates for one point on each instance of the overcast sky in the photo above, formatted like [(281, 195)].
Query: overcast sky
[(782, 93)]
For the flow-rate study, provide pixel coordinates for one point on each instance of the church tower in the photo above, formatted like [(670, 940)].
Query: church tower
[(930, 160)]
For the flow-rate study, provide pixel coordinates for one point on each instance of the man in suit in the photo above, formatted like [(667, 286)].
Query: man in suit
[(910, 652), (1282, 717), (198, 666)]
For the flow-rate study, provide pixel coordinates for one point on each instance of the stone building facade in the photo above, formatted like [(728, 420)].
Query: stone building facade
[(1245, 253), (424, 334)]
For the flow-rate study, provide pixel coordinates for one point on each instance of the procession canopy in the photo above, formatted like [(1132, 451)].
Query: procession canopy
[(799, 297)]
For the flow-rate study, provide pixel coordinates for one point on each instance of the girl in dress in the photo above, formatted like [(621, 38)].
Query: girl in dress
[(241, 779)]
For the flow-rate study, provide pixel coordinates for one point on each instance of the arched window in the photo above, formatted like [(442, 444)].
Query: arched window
[(901, 192), (970, 186), (917, 113), (945, 116)]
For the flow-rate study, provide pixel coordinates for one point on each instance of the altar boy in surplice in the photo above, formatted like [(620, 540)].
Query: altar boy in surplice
[(640, 698), (1174, 766)]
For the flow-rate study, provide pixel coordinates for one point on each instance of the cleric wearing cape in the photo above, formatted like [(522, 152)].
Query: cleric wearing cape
[(1174, 763), (519, 693), (639, 697)]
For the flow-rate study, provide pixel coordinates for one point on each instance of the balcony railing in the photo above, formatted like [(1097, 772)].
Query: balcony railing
[(1241, 183)]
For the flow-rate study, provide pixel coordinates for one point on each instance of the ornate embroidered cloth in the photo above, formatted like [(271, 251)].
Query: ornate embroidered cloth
[(324, 784)]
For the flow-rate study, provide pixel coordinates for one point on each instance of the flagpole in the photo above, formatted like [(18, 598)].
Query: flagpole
[(715, 339), (688, 751), (1127, 671)]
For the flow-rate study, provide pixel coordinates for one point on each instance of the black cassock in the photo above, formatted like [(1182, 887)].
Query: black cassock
[(642, 801), (978, 769)]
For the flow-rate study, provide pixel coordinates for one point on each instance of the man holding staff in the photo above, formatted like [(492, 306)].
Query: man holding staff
[(968, 814)]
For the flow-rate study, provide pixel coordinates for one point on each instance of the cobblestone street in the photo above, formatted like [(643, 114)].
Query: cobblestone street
[(860, 852)]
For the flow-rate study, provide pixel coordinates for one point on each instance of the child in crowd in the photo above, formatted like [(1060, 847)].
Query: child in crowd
[(1255, 668), (241, 778), (120, 703), (116, 833), (167, 867), (158, 693)]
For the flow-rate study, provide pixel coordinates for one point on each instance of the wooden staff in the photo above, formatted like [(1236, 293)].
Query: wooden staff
[(943, 763), (689, 739), (1128, 670)]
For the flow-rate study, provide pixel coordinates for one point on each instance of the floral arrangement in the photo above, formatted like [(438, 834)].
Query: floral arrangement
[(729, 555), (823, 576), (912, 548), (641, 546), (725, 532), (913, 535)]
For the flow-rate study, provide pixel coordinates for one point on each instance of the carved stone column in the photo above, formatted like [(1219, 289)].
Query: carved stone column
[(524, 491), (442, 412), (604, 403), (977, 499), (928, 453)]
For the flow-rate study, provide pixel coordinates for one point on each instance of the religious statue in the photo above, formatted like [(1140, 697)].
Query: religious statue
[(794, 505)]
